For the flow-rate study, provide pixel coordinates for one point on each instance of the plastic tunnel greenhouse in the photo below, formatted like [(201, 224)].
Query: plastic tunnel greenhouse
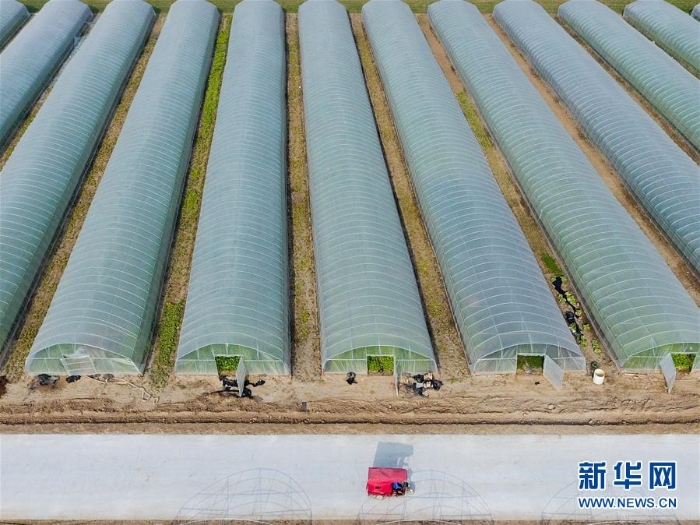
[(662, 81), (695, 13), (238, 303), (41, 176), (34, 55), (12, 15), (639, 307), (660, 174), (668, 27), (102, 315), (501, 302), (369, 304)]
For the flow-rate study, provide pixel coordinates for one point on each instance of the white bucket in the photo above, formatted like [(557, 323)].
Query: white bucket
[(599, 376)]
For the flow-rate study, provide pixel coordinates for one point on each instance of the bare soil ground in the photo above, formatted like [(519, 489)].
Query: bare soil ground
[(446, 341), (56, 262), (614, 182), (489, 402), (306, 352)]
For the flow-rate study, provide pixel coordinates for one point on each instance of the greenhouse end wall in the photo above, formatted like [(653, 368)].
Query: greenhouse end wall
[(102, 315), (238, 299)]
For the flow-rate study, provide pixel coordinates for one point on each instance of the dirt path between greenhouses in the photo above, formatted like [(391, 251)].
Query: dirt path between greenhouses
[(306, 345)]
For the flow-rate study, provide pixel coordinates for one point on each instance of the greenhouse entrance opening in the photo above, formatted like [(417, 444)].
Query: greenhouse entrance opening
[(683, 362), (530, 364), (227, 364), (380, 365), (542, 364), (78, 364)]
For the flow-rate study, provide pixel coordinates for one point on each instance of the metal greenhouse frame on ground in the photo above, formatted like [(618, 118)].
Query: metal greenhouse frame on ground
[(40, 179), (238, 304), (369, 304), (637, 304), (500, 299), (102, 315)]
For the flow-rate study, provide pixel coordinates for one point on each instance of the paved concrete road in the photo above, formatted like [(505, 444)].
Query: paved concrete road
[(134, 477)]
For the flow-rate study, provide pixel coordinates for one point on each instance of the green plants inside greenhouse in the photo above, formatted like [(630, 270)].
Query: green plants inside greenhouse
[(380, 364), (683, 362), (227, 363), (530, 362)]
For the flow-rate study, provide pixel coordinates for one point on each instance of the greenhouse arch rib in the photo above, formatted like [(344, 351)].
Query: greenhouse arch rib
[(637, 303), (108, 295), (501, 302)]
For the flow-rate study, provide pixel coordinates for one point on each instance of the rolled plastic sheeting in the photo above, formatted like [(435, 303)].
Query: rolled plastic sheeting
[(669, 27), (500, 299), (41, 176), (664, 179), (238, 303), (29, 62), (103, 312), (12, 15), (367, 292), (663, 82), (637, 303)]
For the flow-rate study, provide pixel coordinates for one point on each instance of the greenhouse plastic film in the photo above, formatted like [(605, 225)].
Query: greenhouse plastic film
[(40, 178), (695, 13), (664, 179), (105, 304), (636, 302), (368, 297), (237, 303), (662, 81), (12, 15), (31, 59), (501, 302), (668, 27)]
